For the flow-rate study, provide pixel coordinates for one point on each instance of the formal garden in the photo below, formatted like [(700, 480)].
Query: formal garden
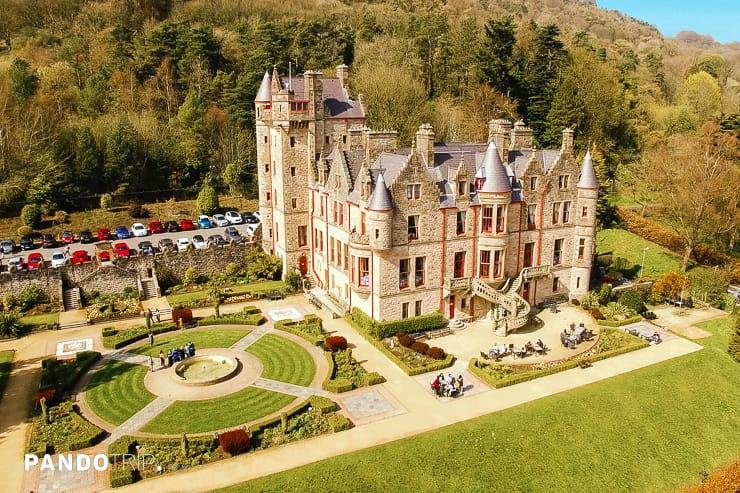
[(31, 310)]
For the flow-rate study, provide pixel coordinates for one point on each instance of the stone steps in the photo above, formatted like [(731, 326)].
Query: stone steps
[(72, 299)]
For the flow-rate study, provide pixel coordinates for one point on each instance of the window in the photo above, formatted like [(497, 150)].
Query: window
[(294, 203), (555, 284), (271, 233), (321, 241), (566, 212), (563, 181), (362, 223), (581, 248), (268, 196), (413, 227), (419, 271), (326, 140), (485, 263), (459, 265), (578, 282), (555, 212), (321, 207), (584, 212), (341, 213), (498, 264), (533, 183), (302, 236), (461, 222), (267, 167), (532, 216), (500, 218), (331, 250), (461, 188), (265, 139), (557, 254), (479, 183), (487, 224), (346, 257), (413, 191), (417, 308), (292, 142), (334, 210), (528, 254), (292, 171), (363, 268), (277, 232), (405, 310), (463, 303), (403, 273)]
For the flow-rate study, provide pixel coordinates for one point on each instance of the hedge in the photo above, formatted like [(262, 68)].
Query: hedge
[(323, 404), (124, 445), (62, 381), (374, 378), (433, 366), (381, 330), (233, 318), (338, 422), (125, 337), (619, 323), (311, 324), (121, 476), (338, 386)]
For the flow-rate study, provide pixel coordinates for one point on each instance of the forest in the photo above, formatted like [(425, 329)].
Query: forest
[(146, 99)]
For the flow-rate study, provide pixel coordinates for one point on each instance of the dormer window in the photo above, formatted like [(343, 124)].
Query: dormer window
[(462, 188), (413, 191), (533, 183), (563, 181)]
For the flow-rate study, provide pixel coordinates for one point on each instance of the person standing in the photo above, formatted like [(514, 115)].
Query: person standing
[(156, 314), (460, 385), (151, 338), (161, 359), (151, 362)]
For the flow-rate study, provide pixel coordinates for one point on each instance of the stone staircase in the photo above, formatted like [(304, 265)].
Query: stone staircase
[(148, 289), (72, 299)]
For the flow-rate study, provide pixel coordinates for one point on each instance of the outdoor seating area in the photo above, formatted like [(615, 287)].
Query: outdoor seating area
[(497, 352), (653, 338), (572, 336), (680, 302)]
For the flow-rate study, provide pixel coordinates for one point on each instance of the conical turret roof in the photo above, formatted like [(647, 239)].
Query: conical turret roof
[(381, 199), (263, 94), (497, 180), (588, 174)]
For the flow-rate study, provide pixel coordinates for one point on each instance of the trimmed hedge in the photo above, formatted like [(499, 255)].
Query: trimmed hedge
[(619, 323), (338, 422), (335, 343), (60, 434), (121, 476), (337, 386), (125, 337), (124, 445), (374, 378), (63, 375), (434, 366), (435, 352), (250, 315), (381, 330), (312, 329), (234, 442), (323, 404)]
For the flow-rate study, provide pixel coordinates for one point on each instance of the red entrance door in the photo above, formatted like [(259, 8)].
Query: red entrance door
[(525, 291), (452, 306), (303, 265)]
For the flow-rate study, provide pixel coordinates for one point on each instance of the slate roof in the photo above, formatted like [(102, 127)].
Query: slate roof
[(336, 98), (497, 179), (588, 178), (263, 94), (380, 200)]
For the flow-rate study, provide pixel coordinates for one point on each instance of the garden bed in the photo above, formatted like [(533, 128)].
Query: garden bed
[(115, 339), (250, 315), (65, 431), (346, 374), (311, 328), (114, 309)]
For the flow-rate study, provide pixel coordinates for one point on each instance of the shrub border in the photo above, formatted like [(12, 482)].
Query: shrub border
[(139, 337), (619, 323)]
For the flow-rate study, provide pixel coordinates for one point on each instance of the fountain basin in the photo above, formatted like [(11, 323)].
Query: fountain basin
[(205, 370)]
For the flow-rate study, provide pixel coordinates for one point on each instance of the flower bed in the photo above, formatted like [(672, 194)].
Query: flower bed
[(345, 373), (113, 309), (115, 339), (63, 375), (310, 328), (250, 315), (65, 431)]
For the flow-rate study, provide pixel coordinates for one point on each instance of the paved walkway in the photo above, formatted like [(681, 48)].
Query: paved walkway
[(252, 337), (288, 388), (135, 422), (133, 358)]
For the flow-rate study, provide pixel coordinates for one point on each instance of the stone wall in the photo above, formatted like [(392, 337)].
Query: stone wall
[(206, 262), (48, 280)]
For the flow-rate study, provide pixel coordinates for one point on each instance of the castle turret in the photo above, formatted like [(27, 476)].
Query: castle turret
[(380, 216), (495, 197), (588, 196)]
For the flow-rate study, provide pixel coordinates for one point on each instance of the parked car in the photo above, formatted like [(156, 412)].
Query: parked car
[(121, 250), (171, 227), (234, 217), (138, 229), (204, 222), (250, 218), (166, 244), (156, 227), (27, 243), (7, 246), (220, 220), (104, 234), (58, 259), (86, 236), (80, 257), (251, 229), (67, 237), (187, 225), (35, 261), (122, 232), (232, 234), (48, 241), (183, 244), (16, 263), (104, 251), (258, 215), (215, 240), (146, 247), (198, 242)]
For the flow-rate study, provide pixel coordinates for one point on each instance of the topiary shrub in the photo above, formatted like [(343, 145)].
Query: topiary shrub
[(435, 352), (234, 442), (335, 343), (406, 340), (191, 275), (31, 215), (24, 231), (293, 280), (420, 347), (106, 201), (207, 202), (734, 345), (184, 314), (632, 299), (596, 314)]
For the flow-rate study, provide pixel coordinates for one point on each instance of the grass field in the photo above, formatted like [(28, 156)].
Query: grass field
[(6, 363), (41, 319), (116, 391), (201, 338), (653, 429), (254, 287), (283, 360), (216, 414)]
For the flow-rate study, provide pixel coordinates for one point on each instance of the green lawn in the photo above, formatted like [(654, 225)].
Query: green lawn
[(41, 319), (254, 287), (116, 391), (653, 429), (215, 414), (201, 338), (6, 362), (283, 360)]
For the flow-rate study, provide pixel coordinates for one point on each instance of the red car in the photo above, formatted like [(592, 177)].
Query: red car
[(67, 238), (103, 234), (80, 257), (121, 250), (187, 225), (35, 260), (156, 227)]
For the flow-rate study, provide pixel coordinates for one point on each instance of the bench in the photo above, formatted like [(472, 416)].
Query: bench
[(584, 363), (445, 331), (315, 301), (420, 336)]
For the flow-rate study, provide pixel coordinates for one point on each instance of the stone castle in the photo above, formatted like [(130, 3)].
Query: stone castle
[(470, 229)]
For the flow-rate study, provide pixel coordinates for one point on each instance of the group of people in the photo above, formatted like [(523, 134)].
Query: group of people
[(496, 351), (448, 386), (178, 354)]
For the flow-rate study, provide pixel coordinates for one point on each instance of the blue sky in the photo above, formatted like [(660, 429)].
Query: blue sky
[(717, 18)]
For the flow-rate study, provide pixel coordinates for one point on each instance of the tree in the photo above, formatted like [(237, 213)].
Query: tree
[(671, 285), (207, 198), (23, 80), (701, 93), (496, 56), (10, 325), (31, 215), (696, 181)]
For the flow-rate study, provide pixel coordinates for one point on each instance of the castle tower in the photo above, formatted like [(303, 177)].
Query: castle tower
[(380, 216), (495, 197), (585, 231)]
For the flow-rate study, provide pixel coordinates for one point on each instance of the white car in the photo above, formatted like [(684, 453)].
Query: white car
[(220, 220), (234, 217), (58, 259), (257, 214), (251, 228), (138, 229), (182, 244), (198, 242)]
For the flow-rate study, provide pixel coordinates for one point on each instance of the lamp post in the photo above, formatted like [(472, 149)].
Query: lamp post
[(642, 265)]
